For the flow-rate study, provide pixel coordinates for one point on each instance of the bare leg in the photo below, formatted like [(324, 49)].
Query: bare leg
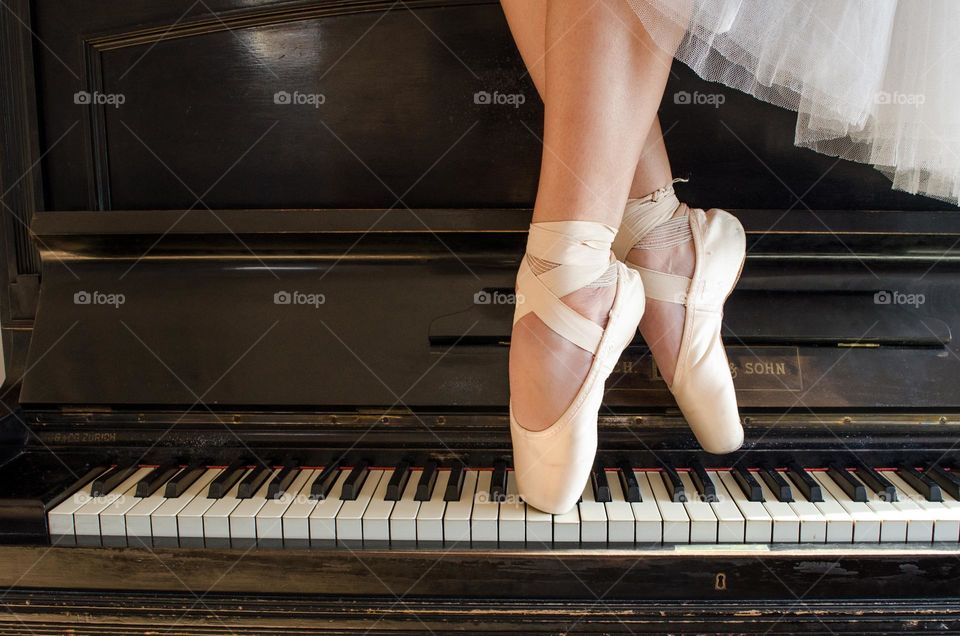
[(603, 79)]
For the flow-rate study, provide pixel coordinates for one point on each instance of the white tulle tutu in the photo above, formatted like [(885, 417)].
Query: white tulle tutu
[(874, 81)]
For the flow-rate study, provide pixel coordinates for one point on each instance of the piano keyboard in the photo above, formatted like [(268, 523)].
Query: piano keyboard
[(363, 506)]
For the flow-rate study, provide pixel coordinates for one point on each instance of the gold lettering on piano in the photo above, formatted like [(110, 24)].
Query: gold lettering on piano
[(720, 582), (85, 437), (765, 368)]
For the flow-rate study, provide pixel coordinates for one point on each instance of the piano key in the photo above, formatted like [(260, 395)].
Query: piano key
[(512, 518), (376, 518), (593, 519), (601, 486), (702, 482), (243, 518), (483, 523), (805, 483), (703, 522), (254, 480), (921, 483), (786, 523), (628, 481), (323, 517), (190, 518), (113, 524), (428, 479), (621, 524), (915, 522), (324, 480), (216, 518), (272, 517), (944, 516), (948, 481), (350, 515), (852, 486), (456, 518), (180, 482), (86, 519), (813, 523), (673, 484), (430, 515), (227, 478), (731, 526), (398, 481), (498, 481), (295, 522), (866, 523), (355, 482), (403, 518), (283, 480), (877, 483), (163, 520), (758, 525), (566, 529), (776, 484), (138, 518), (156, 478), (649, 522), (676, 521), (838, 520), (455, 482), (747, 484), (108, 481), (539, 527)]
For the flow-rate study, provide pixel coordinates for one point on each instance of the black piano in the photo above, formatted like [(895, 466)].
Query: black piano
[(259, 260)]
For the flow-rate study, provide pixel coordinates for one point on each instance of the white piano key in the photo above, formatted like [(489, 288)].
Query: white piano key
[(703, 521), (403, 518), (350, 516), (813, 523), (139, 518), (593, 519), (566, 529), (731, 526), (376, 518), (270, 518), (60, 518), (430, 515), (216, 518), (649, 522), (456, 518), (758, 526), (163, 520), (323, 518), (243, 518), (928, 520), (190, 518), (894, 517), (676, 521), (786, 523), (512, 518), (483, 524), (295, 522), (620, 520), (839, 522), (866, 523), (86, 519)]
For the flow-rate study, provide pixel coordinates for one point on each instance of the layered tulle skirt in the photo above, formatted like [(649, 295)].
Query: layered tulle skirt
[(874, 81)]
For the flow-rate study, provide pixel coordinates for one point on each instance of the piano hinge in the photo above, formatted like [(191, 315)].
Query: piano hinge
[(864, 345), (81, 410)]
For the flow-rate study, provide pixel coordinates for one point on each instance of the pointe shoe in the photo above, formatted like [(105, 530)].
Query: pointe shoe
[(552, 465), (702, 383)]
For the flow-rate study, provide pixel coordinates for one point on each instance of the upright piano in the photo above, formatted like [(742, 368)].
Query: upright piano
[(258, 295)]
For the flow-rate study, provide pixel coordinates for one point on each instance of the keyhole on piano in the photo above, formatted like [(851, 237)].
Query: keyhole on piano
[(720, 582)]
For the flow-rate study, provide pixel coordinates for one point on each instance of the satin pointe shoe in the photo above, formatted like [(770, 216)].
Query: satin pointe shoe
[(552, 465), (702, 383)]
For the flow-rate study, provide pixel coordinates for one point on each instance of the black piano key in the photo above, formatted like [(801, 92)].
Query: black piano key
[(105, 483), (250, 484), (748, 484), (703, 483), (850, 484), (628, 481), (179, 483), (398, 481), (223, 482), (601, 488), (921, 483), (354, 481), (877, 483), (805, 482), (455, 483), (947, 481), (674, 485), (777, 484), (428, 479), (282, 481), (498, 482), (157, 477), (324, 482)]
